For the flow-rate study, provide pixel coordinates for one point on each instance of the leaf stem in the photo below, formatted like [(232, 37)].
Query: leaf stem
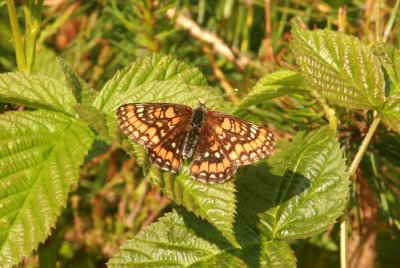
[(18, 44), (352, 171)]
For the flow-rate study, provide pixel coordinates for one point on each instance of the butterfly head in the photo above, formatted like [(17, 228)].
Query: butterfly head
[(201, 104)]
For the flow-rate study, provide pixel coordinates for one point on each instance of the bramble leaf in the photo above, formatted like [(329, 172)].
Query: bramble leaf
[(40, 155), (212, 202), (37, 91), (275, 85), (46, 64), (302, 195), (181, 240), (390, 59), (390, 113), (81, 90), (150, 69), (339, 68)]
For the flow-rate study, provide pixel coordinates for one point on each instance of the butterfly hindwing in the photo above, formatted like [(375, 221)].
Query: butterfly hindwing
[(150, 123), (168, 154), (210, 163), (243, 142)]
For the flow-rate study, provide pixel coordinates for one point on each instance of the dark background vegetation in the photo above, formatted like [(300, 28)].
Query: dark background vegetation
[(234, 43)]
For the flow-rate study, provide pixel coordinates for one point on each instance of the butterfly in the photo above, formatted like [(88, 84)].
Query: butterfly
[(216, 142)]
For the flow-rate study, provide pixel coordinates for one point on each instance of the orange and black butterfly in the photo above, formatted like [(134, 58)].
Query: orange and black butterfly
[(218, 143)]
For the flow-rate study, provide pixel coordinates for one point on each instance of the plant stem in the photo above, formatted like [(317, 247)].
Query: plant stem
[(352, 171), (18, 44), (364, 146), (33, 14)]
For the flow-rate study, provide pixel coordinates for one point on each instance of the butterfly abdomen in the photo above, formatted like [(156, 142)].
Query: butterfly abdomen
[(193, 136)]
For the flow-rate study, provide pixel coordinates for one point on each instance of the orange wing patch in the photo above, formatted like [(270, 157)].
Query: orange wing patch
[(150, 123), (210, 163), (243, 142)]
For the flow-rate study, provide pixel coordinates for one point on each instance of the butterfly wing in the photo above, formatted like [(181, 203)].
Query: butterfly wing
[(210, 163), (160, 127), (243, 142), (168, 154)]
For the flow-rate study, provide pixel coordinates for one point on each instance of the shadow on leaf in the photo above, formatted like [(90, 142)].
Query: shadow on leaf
[(260, 192)]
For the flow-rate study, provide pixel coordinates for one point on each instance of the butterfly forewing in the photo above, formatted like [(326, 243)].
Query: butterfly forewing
[(243, 142), (150, 123), (210, 163), (160, 127)]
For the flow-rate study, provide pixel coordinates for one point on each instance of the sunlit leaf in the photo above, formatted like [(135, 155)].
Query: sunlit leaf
[(82, 92), (275, 85), (391, 112), (148, 69), (40, 155), (36, 91), (339, 68), (46, 64), (277, 253), (181, 240), (304, 192), (212, 202), (390, 59)]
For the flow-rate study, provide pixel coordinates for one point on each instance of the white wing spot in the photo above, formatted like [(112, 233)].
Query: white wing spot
[(173, 145), (217, 155), (221, 175), (130, 128), (206, 154), (141, 109), (140, 115), (212, 176)]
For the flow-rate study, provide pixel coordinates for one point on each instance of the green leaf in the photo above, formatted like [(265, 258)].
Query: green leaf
[(390, 59), (275, 85), (94, 118), (36, 91), (46, 64), (82, 92), (212, 202), (174, 91), (302, 195), (40, 155), (277, 253), (181, 240), (391, 112), (148, 69), (339, 68)]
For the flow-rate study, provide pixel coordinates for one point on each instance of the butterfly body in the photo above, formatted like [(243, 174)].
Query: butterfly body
[(216, 142), (192, 138)]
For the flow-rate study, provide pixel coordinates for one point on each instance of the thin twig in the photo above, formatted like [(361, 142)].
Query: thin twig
[(268, 51), (229, 91), (352, 170), (184, 21)]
